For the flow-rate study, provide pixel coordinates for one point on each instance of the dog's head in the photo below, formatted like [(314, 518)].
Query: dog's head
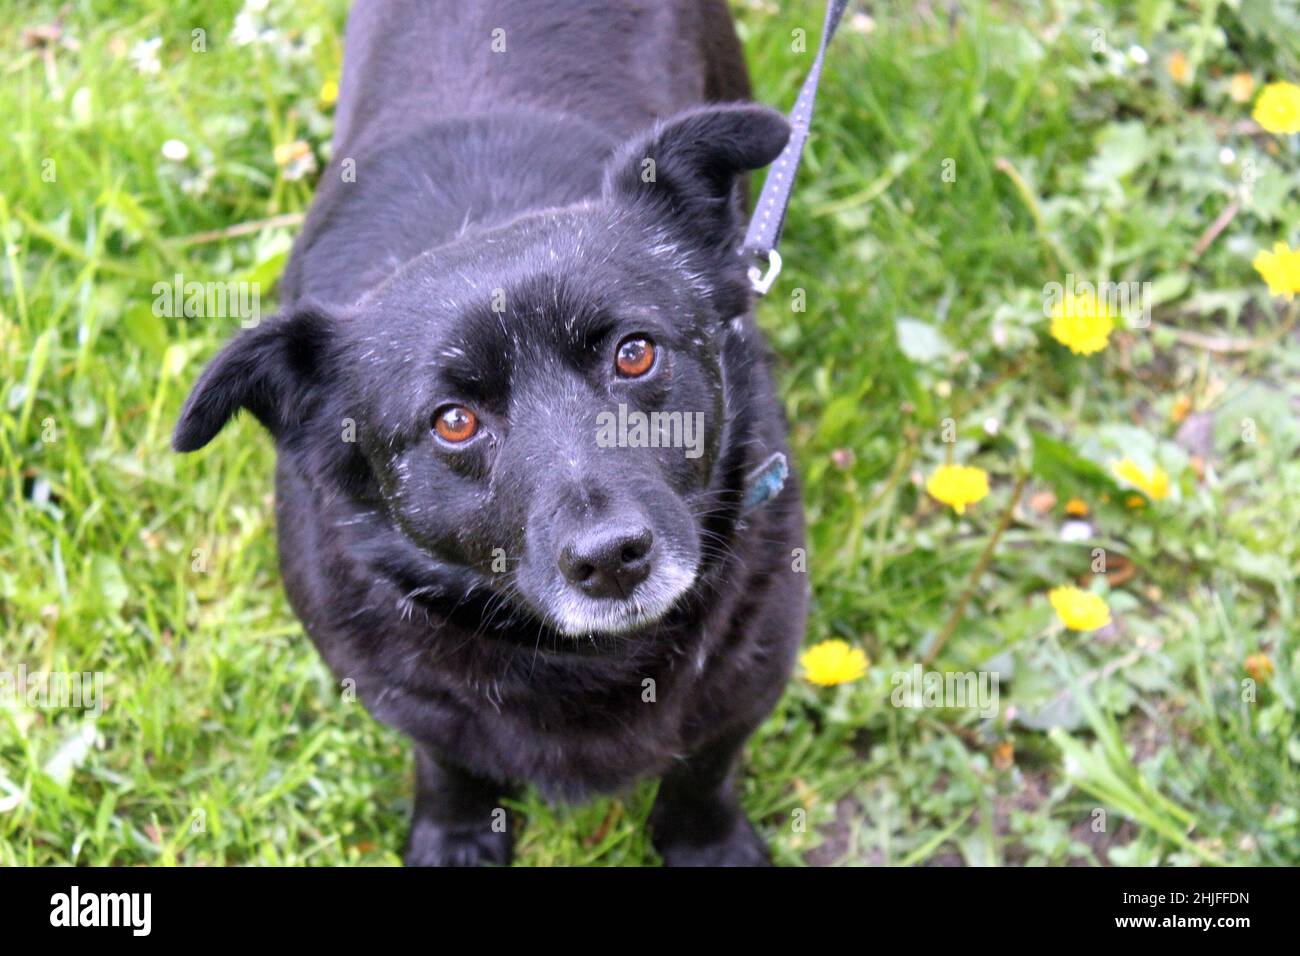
[(542, 405)]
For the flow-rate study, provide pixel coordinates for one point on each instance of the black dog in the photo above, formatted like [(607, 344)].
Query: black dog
[(527, 232)]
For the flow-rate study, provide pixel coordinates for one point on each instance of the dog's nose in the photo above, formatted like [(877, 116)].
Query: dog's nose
[(607, 561)]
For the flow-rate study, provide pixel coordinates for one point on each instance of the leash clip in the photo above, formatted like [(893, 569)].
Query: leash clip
[(765, 482), (762, 281)]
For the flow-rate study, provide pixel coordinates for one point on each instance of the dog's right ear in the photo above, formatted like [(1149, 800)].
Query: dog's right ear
[(688, 165), (275, 370)]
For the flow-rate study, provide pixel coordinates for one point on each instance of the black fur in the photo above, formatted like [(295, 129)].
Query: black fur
[(499, 238)]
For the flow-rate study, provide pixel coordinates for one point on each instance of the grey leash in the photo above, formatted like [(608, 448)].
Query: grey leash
[(764, 232)]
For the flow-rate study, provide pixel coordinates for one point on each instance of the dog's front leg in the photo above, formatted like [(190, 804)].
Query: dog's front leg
[(458, 818), (697, 820)]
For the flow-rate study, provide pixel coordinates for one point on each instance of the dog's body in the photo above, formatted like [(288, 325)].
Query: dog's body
[(497, 231), (450, 134)]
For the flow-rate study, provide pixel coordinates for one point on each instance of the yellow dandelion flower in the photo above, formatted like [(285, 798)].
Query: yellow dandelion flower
[(833, 662), (295, 159), (1076, 508), (1004, 755), (958, 485), (1278, 108), (1154, 483), (1082, 323), (1280, 269), (1180, 409), (286, 153), (1079, 610), (1178, 67), (329, 93), (1242, 87), (1260, 667)]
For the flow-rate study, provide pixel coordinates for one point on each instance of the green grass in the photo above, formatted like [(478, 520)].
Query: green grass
[(224, 739)]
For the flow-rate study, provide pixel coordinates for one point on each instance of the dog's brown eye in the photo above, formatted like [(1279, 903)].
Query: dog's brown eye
[(455, 423), (635, 356)]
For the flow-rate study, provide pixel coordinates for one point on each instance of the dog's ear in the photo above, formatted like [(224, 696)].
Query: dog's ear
[(688, 165), (274, 370)]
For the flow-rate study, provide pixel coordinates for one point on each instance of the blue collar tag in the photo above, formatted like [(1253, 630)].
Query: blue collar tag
[(765, 482)]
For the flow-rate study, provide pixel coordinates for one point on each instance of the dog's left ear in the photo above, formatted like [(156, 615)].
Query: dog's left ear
[(687, 167)]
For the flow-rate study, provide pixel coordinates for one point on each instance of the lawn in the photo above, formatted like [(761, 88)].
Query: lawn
[(965, 158)]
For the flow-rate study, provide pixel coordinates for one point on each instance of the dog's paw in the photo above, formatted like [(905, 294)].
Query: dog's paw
[(433, 844), (740, 846)]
